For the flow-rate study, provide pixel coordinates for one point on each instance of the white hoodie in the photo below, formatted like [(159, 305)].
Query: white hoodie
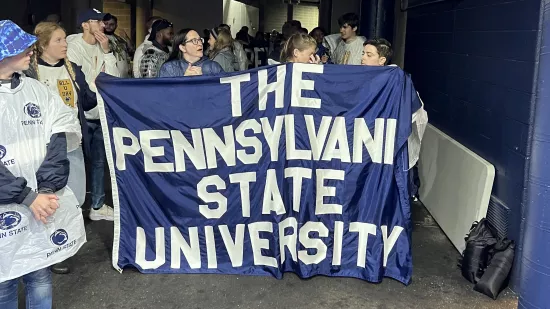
[(139, 53), (93, 61)]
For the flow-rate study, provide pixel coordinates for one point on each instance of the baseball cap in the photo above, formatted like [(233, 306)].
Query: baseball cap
[(157, 26), (13, 40), (90, 14)]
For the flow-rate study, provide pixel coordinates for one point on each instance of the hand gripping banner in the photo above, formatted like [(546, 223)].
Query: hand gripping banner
[(291, 168)]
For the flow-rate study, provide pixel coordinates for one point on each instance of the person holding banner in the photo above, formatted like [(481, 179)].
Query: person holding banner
[(187, 57), (38, 132), (300, 48), (221, 49), (378, 52)]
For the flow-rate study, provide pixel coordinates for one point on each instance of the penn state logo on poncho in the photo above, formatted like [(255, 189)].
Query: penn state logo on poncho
[(9, 220), (59, 237), (2, 152), (32, 110)]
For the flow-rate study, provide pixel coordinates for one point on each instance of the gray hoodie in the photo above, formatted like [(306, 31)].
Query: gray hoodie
[(226, 59)]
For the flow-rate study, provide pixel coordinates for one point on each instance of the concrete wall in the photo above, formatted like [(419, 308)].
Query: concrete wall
[(308, 15), (275, 15), (473, 63), (254, 3), (123, 13), (190, 14), (237, 14), (341, 7), (143, 12)]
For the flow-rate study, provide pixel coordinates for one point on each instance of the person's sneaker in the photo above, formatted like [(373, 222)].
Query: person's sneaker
[(104, 213)]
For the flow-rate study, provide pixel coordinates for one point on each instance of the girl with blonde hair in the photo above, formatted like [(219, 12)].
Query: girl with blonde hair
[(300, 48), (221, 50), (50, 66)]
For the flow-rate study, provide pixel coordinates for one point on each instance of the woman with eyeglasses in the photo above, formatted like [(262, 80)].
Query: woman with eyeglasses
[(187, 57)]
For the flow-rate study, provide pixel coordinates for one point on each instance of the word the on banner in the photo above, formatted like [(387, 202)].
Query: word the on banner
[(291, 168)]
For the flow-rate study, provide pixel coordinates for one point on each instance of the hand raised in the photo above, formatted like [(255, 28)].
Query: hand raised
[(103, 41), (314, 59)]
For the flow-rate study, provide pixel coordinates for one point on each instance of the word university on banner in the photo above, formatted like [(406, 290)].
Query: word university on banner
[(291, 168)]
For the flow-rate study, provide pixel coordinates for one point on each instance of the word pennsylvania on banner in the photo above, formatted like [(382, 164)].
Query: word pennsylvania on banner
[(291, 168)]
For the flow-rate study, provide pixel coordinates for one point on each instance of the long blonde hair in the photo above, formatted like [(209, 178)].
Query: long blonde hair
[(299, 41), (44, 32), (223, 40)]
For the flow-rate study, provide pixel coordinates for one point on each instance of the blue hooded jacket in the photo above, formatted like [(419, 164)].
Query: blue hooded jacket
[(177, 68)]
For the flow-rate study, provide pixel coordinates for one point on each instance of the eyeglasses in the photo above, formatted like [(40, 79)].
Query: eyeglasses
[(196, 41)]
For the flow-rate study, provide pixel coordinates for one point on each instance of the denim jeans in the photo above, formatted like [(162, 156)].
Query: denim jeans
[(38, 288), (97, 164), (414, 181)]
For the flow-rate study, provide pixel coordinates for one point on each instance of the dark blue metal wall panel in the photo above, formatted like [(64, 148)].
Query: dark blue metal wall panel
[(535, 260), (497, 16), (473, 63)]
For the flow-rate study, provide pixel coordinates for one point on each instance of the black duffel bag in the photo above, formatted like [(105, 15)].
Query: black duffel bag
[(479, 245), (495, 278)]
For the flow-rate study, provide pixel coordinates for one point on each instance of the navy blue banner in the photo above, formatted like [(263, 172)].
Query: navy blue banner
[(291, 168)]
